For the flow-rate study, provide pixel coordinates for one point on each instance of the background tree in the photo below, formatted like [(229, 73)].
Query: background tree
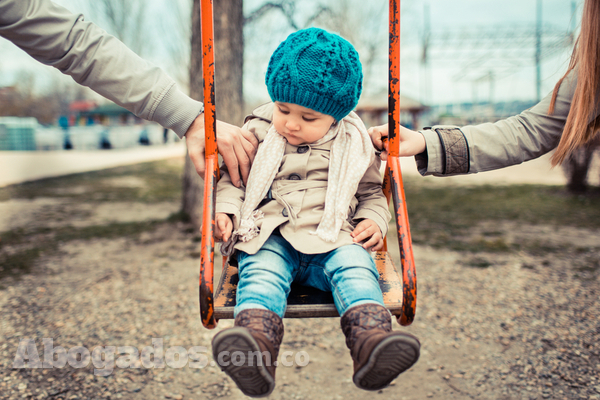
[(175, 26), (23, 100), (577, 165), (126, 20)]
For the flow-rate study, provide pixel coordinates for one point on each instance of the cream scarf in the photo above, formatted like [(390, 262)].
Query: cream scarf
[(351, 154)]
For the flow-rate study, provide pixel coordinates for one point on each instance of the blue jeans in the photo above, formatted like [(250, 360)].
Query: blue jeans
[(348, 272)]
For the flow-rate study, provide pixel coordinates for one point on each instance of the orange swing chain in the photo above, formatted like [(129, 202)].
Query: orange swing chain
[(394, 179), (211, 175)]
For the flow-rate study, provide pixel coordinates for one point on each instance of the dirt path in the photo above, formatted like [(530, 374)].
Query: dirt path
[(521, 328), (517, 327)]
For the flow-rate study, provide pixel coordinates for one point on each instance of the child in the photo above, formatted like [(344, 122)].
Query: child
[(313, 196)]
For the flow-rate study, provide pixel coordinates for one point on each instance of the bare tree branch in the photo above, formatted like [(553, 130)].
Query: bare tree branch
[(177, 30), (322, 10), (125, 19), (260, 12), (287, 8)]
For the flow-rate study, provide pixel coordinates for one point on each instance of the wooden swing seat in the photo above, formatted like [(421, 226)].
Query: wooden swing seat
[(308, 302)]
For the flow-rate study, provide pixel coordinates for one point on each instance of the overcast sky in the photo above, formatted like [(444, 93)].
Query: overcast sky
[(439, 85)]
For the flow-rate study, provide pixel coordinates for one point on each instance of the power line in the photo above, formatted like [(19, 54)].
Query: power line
[(493, 52)]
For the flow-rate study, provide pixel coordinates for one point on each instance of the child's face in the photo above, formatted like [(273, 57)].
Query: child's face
[(300, 125)]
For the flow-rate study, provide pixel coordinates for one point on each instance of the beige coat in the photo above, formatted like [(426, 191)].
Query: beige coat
[(298, 193)]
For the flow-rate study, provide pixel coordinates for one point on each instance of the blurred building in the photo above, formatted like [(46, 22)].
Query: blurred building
[(75, 109), (88, 112), (17, 134), (373, 111)]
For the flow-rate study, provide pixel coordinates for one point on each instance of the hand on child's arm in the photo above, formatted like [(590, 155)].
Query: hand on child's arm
[(368, 229), (223, 227), (237, 146)]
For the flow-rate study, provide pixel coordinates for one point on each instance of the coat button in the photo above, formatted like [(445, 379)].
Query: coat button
[(302, 149), (294, 177), (284, 212)]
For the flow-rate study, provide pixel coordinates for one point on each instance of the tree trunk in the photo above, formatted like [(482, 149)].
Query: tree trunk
[(229, 60), (229, 56), (576, 168), (191, 199)]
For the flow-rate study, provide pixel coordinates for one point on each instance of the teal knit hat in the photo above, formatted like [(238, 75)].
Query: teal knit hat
[(318, 70)]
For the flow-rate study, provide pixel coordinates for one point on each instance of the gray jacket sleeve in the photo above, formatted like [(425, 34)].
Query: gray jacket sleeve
[(56, 37), (507, 142)]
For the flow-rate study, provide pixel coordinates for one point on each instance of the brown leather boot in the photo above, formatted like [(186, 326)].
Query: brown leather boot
[(379, 354), (248, 351)]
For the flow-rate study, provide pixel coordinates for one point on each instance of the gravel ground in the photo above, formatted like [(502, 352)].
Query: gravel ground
[(518, 326)]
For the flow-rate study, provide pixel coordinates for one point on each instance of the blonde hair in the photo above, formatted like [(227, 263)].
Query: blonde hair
[(579, 130)]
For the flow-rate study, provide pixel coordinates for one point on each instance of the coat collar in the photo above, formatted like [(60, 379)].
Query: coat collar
[(263, 112)]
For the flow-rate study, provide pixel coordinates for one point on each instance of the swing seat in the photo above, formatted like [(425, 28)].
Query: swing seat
[(305, 301), (398, 285)]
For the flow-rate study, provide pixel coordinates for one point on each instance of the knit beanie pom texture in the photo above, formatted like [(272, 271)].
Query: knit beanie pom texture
[(318, 70)]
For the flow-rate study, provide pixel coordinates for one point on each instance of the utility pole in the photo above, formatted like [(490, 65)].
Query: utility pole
[(538, 52), (573, 20), (425, 73), (492, 86)]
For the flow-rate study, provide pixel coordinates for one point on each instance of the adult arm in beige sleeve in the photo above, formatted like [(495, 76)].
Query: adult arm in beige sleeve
[(54, 36)]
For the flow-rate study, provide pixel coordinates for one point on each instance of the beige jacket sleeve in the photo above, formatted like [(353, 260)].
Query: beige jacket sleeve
[(372, 203), (229, 197), (54, 36), (507, 142)]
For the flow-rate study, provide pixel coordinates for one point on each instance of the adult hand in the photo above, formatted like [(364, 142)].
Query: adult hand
[(237, 147), (411, 142)]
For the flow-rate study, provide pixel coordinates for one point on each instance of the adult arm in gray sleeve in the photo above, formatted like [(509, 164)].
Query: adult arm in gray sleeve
[(54, 36), (507, 142)]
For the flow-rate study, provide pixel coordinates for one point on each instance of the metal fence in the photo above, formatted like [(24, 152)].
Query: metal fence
[(25, 134)]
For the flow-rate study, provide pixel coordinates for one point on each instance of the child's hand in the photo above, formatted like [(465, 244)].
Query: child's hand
[(411, 142), (223, 227), (367, 228)]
